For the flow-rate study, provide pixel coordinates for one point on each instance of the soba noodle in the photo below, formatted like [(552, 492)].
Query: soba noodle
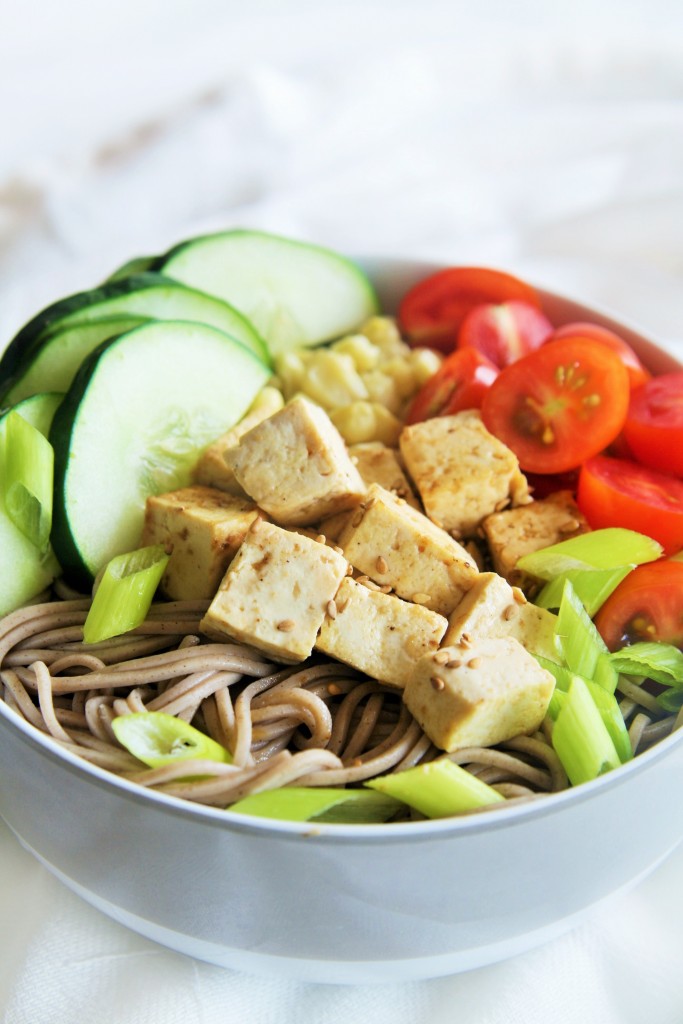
[(315, 724)]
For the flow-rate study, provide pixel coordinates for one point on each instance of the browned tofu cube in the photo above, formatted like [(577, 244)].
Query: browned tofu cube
[(521, 531), (201, 528)]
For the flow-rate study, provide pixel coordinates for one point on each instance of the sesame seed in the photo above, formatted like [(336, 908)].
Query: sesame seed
[(321, 538), (474, 663), (333, 690), (357, 519), (286, 625), (349, 569), (421, 598), (441, 657), (454, 663), (569, 526), (256, 525), (381, 564), (519, 595), (437, 682), (386, 589), (332, 609), (340, 551), (509, 612)]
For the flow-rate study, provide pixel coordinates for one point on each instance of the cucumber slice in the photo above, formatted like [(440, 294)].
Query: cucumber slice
[(138, 265), (141, 295), (294, 293), (139, 412), (24, 570), (53, 363)]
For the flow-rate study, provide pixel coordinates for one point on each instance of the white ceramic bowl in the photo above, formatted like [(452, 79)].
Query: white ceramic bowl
[(344, 903)]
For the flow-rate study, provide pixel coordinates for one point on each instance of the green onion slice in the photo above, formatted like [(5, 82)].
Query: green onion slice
[(659, 661), (125, 593), (28, 473), (158, 739), (332, 806), (611, 715), (599, 549), (579, 641), (437, 789), (581, 738), (592, 587)]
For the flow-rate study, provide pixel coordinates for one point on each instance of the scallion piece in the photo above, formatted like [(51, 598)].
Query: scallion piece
[(579, 640), (613, 719), (557, 702), (437, 789), (580, 737), (592, 587), (563, 675), (125, 593), (28, 473), (605, 674), (332, 806), (158, 739), (599, 549), (659, 661)]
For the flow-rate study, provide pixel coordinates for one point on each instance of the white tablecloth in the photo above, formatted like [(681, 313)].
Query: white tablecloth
[(550, 144)]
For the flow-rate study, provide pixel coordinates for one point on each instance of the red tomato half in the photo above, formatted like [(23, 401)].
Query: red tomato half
[(558, 406), (431, 312), (616, 492), (647, 605), (505, 332), (460, 383), (637, 374), (654, 425)]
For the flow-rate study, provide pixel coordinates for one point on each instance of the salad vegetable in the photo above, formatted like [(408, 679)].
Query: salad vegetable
[(323, 536)]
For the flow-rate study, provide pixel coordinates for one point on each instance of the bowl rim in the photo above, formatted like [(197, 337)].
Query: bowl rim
[(418, 831)]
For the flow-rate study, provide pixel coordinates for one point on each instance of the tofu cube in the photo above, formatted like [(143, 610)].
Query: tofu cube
[(378, 464), (296, 467), (492, 609), (463, 472), (520, 531), (398, 546), (212, 470), (379, 634), (484, 694), (201, 528), (274, 595)]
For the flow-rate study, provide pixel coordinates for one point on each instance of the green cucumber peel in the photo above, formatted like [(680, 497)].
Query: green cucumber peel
[(124, 593), (331, 806)]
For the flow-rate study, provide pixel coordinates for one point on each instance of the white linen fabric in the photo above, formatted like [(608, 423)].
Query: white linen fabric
[(547, 144)]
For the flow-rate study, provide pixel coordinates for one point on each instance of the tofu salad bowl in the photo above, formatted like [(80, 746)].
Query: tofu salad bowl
[(341, 610)]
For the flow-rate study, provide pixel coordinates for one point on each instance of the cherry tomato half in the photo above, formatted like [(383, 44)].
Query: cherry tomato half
[(654, 425), (616, 492), (460, 383), (431, 312), (647, 605), (558, 406), (637, 374), (506, 331)]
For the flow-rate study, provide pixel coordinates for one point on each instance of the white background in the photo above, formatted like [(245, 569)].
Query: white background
[(545, 139)]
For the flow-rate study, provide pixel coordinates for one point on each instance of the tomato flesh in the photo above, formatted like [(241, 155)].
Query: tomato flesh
[(432, 311), (617, 492), (647, 605), (654, 425), (637, 374), (506, 331), (558, 406), (460, 383)]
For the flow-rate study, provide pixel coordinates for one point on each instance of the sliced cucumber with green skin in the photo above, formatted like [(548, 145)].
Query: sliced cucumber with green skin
[(138, 414), (141, 295), (294, 293), (55, 361), (24, 570), (138, 265)]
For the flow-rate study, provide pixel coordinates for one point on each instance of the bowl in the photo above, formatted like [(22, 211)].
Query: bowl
[(335, 903)]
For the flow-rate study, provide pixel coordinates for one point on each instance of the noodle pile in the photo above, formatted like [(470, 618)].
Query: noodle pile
[(315, 724)]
